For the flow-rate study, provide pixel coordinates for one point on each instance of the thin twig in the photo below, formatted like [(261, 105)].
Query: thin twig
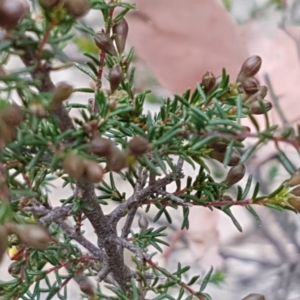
[(140, 253), (71, 233), (175, 198)]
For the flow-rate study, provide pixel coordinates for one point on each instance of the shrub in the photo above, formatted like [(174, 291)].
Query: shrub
[(40, 142)]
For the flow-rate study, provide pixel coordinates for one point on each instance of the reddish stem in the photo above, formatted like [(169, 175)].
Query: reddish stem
[(43, 43)]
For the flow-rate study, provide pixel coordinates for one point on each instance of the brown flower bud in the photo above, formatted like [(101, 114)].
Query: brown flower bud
[(208, 81), (256, 108), (33, 235), (235, 174), (245, 130), (74, 165), (101, 146), (3, 241), (296, 191), (120, 30), (93, 172), (112, 104), (295, 203), (12, 12), (250, 67), (138, 146), (218, 146), (219, 156), (216, 85), (254, 297), (15, 268), (226, 198), (253, 98), (12, 115), (86, 286), (263, 91), (117, 160), (250, 85), (143, 222), (77, 8), (49, 3), (115, 77), (295, 179), (105, 43), (7, 132), (62, 92)]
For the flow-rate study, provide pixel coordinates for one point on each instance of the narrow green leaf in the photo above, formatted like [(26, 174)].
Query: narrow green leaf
[(206, 280), (255, 215), (228, 212)]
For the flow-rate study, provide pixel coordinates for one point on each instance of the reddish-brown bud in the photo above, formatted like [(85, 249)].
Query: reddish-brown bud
[(235, 174), (295, 203), (101, 146), (250, 85), (33, 235), (115, 77), (120, 30), (86, 286), (7, 132), (105, 43), (12, 12), (263, 91), (93, 172), (250, 67), (12, 115), (62, 92), (218, 146), (219, 156), (138, 146), (15, 267), (74, 165), (117, 160), (77, 8), (295, 179), (226, 198), (208, 81), (296, 191), (260, 107)]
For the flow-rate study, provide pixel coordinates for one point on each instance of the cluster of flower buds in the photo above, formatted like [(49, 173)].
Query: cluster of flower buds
[(82, 169), (75, 8), (33, 235), (252, 93), (12, 12), (11, 116), (116, 158), (219, 149), (105, 43)]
